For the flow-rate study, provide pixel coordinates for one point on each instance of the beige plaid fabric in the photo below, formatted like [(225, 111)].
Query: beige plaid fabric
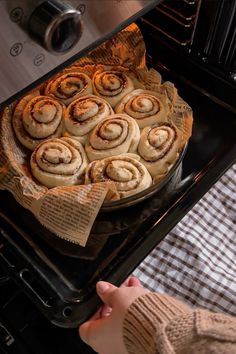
[(196, 261)]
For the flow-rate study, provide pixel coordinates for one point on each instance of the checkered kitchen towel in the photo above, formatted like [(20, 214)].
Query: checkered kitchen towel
[(196, 262)]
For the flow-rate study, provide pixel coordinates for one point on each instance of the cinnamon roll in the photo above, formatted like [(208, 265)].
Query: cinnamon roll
[(128, 174), (58, 162), (159, 148), (69, 86), (115, 135), (83, 114), (36, 119), (112, 85), (147, 107)]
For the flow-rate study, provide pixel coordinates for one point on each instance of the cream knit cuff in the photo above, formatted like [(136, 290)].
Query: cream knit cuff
[(147, 316)]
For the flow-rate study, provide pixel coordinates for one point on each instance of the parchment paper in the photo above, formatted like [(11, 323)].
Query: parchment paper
[(69, 212)]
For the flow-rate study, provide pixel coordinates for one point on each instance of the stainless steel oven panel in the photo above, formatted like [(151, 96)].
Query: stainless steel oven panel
[(23, 61)]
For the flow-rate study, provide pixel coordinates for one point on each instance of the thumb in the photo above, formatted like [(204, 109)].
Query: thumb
[(105, 291)]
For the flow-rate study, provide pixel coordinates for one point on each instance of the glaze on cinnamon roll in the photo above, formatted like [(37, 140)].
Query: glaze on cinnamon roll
[(147, 107), (69, 86), (83, 114), (58, 162), (36, 119), (115, 135), (112, 85), (159, 148), (128, 174)]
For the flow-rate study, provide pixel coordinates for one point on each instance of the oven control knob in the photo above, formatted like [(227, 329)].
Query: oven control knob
[(56, 26)]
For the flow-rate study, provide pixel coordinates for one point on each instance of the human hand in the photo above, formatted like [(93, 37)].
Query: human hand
[(103, 332)]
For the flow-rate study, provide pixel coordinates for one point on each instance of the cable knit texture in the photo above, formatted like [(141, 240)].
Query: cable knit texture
[(159, 324)]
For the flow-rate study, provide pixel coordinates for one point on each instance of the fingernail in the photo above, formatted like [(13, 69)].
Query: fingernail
[(102, 286), (107, 314)]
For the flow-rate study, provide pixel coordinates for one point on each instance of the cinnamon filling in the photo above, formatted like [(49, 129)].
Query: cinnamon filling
[(108, 80), (163, 146), (79, 86)]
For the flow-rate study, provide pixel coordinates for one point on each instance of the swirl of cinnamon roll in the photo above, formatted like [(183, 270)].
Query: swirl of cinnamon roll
[(83, 114), (159, 148), (147, 107), (36, 119), (112, 85), (69, 86), (58, 162), (114, 135), (129, 175)]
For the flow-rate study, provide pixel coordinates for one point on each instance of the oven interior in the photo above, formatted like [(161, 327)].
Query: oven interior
[(47, 274)]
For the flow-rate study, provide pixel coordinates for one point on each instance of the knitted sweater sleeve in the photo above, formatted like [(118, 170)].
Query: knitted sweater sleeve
[(160, 324)]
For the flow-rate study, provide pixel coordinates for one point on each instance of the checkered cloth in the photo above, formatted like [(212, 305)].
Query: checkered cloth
[(196, 262)]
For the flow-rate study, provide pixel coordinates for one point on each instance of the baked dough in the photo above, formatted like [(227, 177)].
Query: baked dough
[(59, 162), (128, 174), (115, 135), (159, 148), (112, 85), (147, 107), (37, 118), (69, 86), (83, 114)]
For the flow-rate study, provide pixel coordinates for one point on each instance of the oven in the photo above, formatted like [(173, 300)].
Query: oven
[(47, 288)]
